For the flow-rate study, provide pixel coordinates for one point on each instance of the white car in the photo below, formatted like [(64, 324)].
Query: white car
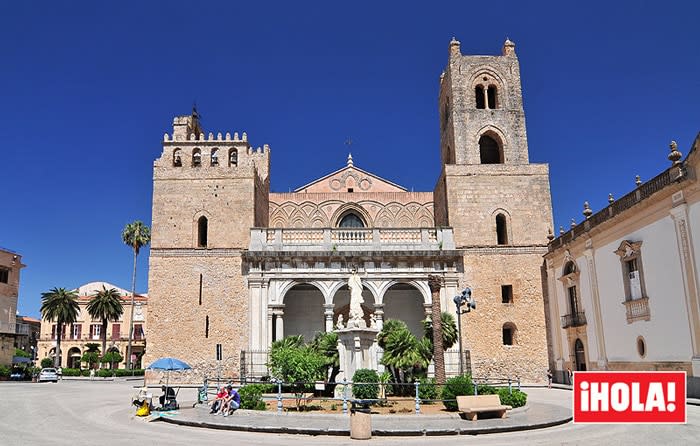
[(48, 375)]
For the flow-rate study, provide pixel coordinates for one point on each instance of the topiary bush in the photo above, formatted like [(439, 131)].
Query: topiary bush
[(369, 390), (71, 372), (46, 363), (251, 396), (515, 399), (458, 385), (427, 390)]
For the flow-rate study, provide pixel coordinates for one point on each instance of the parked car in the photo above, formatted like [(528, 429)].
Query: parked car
[(17, 376), (48, 375)]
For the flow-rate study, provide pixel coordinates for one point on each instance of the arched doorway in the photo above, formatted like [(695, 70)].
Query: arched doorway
[(404, 302), (303, 311), (74, 358), (580, 356)]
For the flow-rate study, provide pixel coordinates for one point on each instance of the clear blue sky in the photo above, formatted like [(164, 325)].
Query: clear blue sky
[(89, 88)]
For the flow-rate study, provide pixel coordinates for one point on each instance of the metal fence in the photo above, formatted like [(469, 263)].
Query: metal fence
[(254, 364)]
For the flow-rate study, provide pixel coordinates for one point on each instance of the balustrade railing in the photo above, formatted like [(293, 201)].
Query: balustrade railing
[(637, 309), (337, 239), (573, 320)]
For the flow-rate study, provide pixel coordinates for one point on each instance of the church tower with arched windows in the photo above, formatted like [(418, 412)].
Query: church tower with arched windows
[(496, 201)]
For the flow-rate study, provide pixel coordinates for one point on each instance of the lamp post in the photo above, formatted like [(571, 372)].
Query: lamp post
[(465, 299)]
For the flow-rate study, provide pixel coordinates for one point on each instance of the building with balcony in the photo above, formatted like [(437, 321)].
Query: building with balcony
[(623, 283), (10, 267), (28, 331), (236, 264), (87, 330)]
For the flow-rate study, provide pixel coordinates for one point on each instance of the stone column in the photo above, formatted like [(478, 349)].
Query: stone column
[(279, 324), (270, 336), (328, 313), (379, 315)]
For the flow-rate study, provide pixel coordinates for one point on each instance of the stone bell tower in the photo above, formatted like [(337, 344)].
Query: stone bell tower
[(499, 206), (208, 191)]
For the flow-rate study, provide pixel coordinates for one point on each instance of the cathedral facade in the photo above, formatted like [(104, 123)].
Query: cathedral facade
[(235, 264)]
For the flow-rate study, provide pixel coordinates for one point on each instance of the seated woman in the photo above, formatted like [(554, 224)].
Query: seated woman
[(219, 400), (141, 397)]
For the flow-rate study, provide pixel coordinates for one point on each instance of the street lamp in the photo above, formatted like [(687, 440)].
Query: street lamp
[(465, 299)]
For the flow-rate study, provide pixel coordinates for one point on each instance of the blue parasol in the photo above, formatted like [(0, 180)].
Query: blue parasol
[(169, 364)]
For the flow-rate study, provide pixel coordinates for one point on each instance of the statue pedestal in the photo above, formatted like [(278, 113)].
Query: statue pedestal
[(357, 349)]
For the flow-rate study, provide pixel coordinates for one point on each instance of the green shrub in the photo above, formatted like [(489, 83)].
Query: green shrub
[(369, 390), (46, 363), (427, 390), (515, 399), (4, 371), (71, 372), (105, 373), (458, 385), (484, 389), (251, 396)]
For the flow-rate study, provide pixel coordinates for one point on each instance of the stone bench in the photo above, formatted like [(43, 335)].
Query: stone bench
[(471, 405)]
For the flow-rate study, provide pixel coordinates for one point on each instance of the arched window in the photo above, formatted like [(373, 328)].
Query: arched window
[(214, 157), (196, 158), (446, 113), (501, 229), (489, 150), (492, 96), (202, 229), (569, 268), (479, 94), (580, 355), (233, 157), (351, 220), (177, 158), (509, 333)]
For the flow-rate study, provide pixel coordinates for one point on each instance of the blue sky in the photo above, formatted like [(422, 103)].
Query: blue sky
[(87, 90)]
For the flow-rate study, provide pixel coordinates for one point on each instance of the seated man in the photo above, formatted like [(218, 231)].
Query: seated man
[(232, 402), (219, 400), (168, 394)]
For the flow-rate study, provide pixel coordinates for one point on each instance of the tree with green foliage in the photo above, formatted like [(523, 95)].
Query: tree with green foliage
[(326, 344), (299, 366), (106, 305), (91, 355), (60, 305), (46, 363), (404, 355), (112, 357), (21, 353), (449, 330), (135, 235)]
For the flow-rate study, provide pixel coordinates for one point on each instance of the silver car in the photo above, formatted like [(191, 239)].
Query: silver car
[(48, 375)]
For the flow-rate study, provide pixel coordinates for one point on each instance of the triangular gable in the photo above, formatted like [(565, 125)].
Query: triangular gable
[(350, 179)]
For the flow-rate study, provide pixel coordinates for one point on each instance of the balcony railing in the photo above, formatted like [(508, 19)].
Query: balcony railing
[(573, 320), (88, 338), (351, 239), (22, 329), (637, 309)]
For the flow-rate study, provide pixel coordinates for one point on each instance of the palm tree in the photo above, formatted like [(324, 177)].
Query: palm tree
[(106, 305), (449, 330), (60, 305), (135, 235), (434, 283)]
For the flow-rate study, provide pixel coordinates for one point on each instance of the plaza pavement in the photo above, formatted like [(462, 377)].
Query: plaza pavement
[(90, 412)]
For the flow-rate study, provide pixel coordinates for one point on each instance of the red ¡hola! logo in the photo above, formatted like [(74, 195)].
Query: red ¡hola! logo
[(629, 397)]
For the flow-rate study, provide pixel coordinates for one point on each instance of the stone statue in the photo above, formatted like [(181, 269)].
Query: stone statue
[(373, 321), (356, 313), (339, 325)]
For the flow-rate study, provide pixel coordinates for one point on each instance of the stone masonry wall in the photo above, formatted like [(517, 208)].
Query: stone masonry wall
[(177, 321), (476, 194), (486, 272)]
